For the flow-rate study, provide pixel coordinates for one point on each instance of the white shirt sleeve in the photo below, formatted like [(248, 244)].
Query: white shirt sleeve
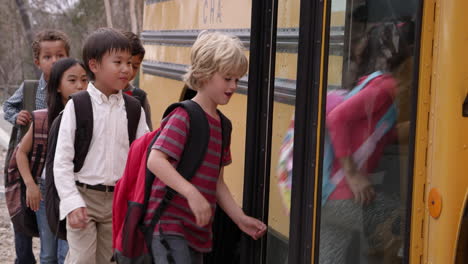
[(70, 198), (142, 125)]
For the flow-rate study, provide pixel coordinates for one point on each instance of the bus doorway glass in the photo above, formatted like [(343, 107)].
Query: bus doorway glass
[(365, 172), (282, 131)]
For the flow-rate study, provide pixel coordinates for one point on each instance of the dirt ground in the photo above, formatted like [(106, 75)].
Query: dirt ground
[(7, 245)]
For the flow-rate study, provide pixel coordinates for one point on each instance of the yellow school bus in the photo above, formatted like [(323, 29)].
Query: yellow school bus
[(301, 54)]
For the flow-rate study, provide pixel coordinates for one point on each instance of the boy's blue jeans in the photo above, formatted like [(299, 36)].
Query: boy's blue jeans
[(53, 250), (180, 250)]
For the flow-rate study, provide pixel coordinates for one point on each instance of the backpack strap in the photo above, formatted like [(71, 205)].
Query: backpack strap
[(52, 200), (39, 146), (197, 140), (29, 95), (140, 95), (226, 129), (133, 109), (195, 147), (29, 101), (363, 84), (84, 127)]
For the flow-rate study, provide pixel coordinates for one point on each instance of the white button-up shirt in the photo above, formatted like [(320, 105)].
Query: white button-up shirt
[(107, 155)]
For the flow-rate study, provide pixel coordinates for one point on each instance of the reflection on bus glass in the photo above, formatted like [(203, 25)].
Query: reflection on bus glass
[(365, 143)]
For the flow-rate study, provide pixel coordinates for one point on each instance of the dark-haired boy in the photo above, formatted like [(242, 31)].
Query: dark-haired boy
[(48, 46), (86, 196), (138, 53)]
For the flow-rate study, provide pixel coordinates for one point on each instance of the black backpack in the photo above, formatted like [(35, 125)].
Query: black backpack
[(83, 136), (140, 95)]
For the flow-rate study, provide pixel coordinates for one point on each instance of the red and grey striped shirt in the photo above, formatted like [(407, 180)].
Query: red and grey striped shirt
[(178, 219)]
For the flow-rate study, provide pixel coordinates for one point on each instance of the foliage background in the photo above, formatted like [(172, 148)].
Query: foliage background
[(20, 20)]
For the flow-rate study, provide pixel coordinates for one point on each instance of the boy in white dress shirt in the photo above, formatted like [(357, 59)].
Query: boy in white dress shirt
[(86, 196)]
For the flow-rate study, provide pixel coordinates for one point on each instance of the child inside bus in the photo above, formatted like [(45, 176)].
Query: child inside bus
[(48, 47), (86, 196), (217, 63), (359, 128), (138, 53), (67, 77)]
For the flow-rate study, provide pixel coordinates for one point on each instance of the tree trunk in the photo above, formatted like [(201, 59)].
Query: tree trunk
[(25, 20), (108, 13), (133, 17), (23, 11), (140, 6)]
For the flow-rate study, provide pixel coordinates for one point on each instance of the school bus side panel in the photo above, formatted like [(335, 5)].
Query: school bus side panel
[(448, 142), (169, 29), (198, 14)]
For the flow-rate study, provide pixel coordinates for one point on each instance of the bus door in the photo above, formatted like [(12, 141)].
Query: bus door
[(332, 115), (363, 191)]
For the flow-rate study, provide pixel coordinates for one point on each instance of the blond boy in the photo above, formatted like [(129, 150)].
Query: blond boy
[(218, 61)]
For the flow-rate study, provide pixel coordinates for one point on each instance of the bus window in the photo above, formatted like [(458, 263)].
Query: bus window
[(282, 130), (367, 120)]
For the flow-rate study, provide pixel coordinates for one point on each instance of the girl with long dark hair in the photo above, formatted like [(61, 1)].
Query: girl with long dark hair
[(359, 128), (67, 77)]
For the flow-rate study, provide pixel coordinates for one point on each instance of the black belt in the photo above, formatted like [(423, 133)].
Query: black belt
[(98, 187)]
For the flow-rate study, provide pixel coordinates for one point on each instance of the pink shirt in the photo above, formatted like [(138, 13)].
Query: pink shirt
[(353, 121)]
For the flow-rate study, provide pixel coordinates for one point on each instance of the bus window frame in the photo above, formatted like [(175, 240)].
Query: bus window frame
[(412, 136), (260, 96), (259, 118), (310, 60)]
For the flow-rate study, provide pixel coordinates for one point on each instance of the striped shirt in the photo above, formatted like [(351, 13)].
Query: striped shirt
[(178, 219)]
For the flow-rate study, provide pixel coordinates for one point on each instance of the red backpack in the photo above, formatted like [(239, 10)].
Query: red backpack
[(22, 217), (130, 236)]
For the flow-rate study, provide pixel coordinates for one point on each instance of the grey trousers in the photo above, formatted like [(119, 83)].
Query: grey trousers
[(179, 248), (339, 221), (343, 219)]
